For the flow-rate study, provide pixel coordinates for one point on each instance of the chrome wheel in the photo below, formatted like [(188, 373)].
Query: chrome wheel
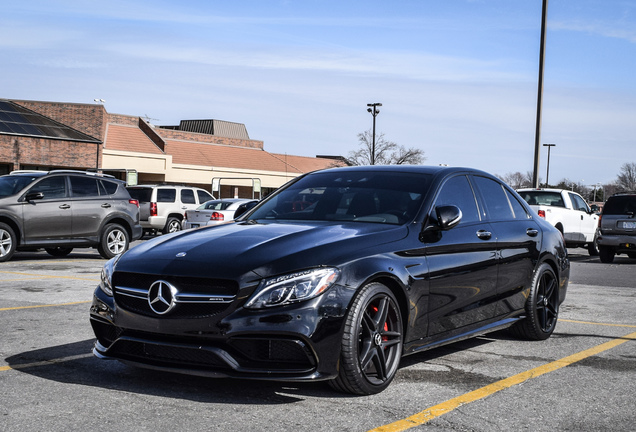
[(7, 242), (114, 241)]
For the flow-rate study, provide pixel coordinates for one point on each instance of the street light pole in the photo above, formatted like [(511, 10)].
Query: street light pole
[(547, 174), (374, 112)]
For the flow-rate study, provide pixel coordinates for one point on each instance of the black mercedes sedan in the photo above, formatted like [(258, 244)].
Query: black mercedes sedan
[(335, 277)]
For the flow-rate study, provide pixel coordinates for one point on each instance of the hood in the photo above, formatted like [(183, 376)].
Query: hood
[(261, 249)]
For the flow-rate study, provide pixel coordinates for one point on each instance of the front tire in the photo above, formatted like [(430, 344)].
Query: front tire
[(8, 242), (542, 306), (371, 342), (606, 254), (114, 241)]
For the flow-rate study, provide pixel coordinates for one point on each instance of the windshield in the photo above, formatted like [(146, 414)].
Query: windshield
[(371, 196), (12, 184)]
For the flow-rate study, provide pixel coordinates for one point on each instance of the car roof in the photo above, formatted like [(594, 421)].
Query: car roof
[(421, 169)]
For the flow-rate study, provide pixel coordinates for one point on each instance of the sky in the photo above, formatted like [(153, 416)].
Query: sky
[(456, 78)]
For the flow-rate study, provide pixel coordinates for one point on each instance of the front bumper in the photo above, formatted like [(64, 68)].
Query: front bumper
[(292, 343)]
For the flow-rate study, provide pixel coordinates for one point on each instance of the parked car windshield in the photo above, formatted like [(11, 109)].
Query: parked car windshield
[(620, 205), (543, 198), (362, 196), (12, 184)]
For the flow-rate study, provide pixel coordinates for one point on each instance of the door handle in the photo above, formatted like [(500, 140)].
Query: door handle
[(532, 232), (484, 235), (65, 206), (105, 205)]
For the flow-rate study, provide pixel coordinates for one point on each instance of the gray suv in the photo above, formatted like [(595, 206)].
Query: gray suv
[(61, 210), (617, 225)]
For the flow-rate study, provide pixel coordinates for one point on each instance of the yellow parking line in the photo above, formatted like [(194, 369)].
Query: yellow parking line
[(45, 362), (445, 407), (596, 323), (46, 305)]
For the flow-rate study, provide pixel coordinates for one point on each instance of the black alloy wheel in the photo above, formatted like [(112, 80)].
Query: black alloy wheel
[(58, 251), (542, 306), (371, 342)]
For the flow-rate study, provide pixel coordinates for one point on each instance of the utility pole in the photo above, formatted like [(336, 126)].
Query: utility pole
[(374, 112), (537, 135)]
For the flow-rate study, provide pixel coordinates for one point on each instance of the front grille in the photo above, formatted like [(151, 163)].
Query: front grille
[(195, 298), (150, 352)]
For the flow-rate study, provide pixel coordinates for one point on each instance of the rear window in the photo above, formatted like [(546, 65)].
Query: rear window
[(543, 198), (140, 194), (215, 205), (620, 205)]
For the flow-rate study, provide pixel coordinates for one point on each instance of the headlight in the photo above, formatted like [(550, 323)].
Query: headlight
[(107, 276), (292, 288)]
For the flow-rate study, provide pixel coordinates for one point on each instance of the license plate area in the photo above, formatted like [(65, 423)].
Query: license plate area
[(628, 225)]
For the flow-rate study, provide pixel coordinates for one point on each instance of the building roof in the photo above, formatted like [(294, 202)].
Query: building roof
[(219, 128), (18, 120), (129, 138)]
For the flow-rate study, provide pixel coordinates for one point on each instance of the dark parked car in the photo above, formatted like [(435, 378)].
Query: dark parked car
[(617, 227), (61, 210), (335, 277)]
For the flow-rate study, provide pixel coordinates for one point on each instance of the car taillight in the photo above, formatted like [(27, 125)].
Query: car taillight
[(541, 213), (599, 220), (216, 216), (153, 209), (134, 201)]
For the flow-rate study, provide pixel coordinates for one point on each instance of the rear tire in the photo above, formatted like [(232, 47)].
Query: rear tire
[(606, 254), (542, 306), (114, 241), (8, 242), (172, 225), (371, 342), (58, 251)]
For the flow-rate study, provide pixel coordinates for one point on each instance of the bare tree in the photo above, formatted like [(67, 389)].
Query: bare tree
[(626, 179), (386, 152), (517, 180)]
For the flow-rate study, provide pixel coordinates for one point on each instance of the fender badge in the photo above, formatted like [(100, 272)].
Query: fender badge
[(181, 254)]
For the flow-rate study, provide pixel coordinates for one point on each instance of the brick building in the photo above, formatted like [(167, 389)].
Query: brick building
[(54, 135)]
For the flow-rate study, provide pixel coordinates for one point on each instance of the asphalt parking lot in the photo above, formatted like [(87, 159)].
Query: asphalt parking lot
[(581, 379)]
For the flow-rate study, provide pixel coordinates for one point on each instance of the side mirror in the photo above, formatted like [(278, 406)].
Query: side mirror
[(32, 196), (445, 218), (448, 216)]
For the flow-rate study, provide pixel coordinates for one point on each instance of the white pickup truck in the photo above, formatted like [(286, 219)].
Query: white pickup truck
[(568, 212)]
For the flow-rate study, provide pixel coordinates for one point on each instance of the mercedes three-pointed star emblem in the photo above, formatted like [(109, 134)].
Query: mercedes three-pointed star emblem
[(162, 297)]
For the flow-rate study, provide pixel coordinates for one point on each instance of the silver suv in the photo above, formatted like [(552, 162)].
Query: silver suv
[(61, 210), (162, 207), (618, 227)]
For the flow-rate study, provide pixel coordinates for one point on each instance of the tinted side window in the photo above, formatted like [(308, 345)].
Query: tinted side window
[(497, 204), (187, 196), (110, 187), (52, 187), (457, 191), (84, 187), (518, 210), (204, 196), (166, 195)]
